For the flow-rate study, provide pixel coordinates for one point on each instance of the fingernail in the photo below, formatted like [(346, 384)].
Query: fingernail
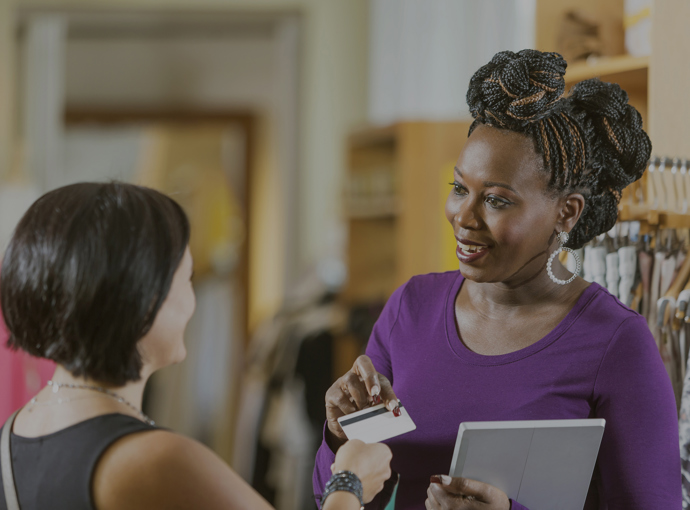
[(396, 412), (376, 399), (445, 479), (391, 405), (436, 479), (375, 390)]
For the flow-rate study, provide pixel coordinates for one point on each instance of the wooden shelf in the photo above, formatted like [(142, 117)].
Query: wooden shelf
[(604, 66), (375, 210), (374, 135), (651, 217), (629, 72)]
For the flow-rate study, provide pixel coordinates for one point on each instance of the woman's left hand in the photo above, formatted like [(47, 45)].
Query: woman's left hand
[(446, 493), (370, 462)]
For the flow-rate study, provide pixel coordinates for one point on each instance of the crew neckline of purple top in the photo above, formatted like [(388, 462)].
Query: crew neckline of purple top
[(474, 358)]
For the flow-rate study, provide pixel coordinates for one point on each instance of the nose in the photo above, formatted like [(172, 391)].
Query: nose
[(467, 216)]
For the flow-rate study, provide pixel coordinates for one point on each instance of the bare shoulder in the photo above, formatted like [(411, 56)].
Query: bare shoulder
[(161, 469)]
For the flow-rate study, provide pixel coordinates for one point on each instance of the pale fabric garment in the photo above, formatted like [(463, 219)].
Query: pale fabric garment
[(627, 267), (595, 264)]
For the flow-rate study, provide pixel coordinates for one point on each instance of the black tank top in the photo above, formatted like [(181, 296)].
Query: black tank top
[(54, 471)]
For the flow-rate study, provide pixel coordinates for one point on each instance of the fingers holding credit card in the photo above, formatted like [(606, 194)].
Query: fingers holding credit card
[(358, 389)]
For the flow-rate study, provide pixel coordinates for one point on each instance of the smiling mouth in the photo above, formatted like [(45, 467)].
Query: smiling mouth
[(469, 249)]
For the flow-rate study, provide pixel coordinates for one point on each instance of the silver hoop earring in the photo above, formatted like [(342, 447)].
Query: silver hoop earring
[(562, 239)]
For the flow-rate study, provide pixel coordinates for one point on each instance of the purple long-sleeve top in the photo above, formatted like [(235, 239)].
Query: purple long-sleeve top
[(601, 361)]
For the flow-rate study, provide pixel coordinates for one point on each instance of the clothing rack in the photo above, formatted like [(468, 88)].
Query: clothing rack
[(645, 261), (662, 197)]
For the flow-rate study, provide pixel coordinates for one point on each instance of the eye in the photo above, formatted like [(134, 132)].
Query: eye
[(458, 188), (496, 203)]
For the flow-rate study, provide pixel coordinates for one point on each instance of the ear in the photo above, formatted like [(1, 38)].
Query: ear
[(571, 210)]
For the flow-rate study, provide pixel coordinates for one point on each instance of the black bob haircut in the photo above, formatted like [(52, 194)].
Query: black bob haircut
[(591, 140), (86, 272)]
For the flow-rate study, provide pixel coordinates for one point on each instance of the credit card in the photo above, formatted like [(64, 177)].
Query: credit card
[(376, 424)]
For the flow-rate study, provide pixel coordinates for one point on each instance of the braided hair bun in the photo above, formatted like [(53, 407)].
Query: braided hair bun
[(591, 141), (516, 89)]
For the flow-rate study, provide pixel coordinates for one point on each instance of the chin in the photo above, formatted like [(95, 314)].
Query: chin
[(181, 355), (477, 275), (174, 357)]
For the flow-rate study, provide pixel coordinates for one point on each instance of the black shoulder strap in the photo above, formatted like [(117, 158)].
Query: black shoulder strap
[(6, 462)]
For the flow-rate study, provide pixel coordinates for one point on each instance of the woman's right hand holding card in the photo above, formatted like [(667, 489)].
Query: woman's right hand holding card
[(358, 389)]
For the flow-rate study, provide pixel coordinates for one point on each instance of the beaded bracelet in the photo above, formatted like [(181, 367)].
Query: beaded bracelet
[(344, 481)]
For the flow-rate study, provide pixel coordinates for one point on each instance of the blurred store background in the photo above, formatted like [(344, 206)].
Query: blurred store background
[(310, 142)]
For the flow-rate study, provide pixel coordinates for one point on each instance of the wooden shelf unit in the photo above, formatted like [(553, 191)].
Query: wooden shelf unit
[(409, 234), (653, 218), (627, 71)]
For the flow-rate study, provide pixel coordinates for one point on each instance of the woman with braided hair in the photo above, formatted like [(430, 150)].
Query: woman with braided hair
[(513, 335)]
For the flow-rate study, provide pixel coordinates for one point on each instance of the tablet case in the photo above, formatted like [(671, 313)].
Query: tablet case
[(542, 464)]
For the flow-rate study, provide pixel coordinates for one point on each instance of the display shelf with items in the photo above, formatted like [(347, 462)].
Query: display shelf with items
[(596, 48), (662, 198)]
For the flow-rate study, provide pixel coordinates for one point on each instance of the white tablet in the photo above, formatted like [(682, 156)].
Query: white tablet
[(542, 464)]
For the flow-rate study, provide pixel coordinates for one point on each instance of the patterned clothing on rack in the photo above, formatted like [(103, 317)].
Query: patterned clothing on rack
[(684, 434)]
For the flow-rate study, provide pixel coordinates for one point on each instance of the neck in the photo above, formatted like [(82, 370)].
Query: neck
[(133, 392), (534, 288)]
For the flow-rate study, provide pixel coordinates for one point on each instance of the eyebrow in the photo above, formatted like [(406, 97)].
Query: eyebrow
[(492, 184)]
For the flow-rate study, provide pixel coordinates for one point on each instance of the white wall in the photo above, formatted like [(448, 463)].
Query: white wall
[(334, 102), (152, 72), (423, 54), (7, 70)]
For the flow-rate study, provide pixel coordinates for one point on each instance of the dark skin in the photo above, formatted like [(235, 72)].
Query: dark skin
[(508, 301), (501, 200)]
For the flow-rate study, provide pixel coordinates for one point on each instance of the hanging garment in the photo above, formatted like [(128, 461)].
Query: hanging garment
[(684, 437), (646, 260), (654, 294), (595, 264), (281, 411), (682, 326), (612, 273), (627, 267), (667, 338)]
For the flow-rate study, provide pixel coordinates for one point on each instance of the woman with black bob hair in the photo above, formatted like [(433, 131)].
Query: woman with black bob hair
[(97, 278), (513, 335)]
